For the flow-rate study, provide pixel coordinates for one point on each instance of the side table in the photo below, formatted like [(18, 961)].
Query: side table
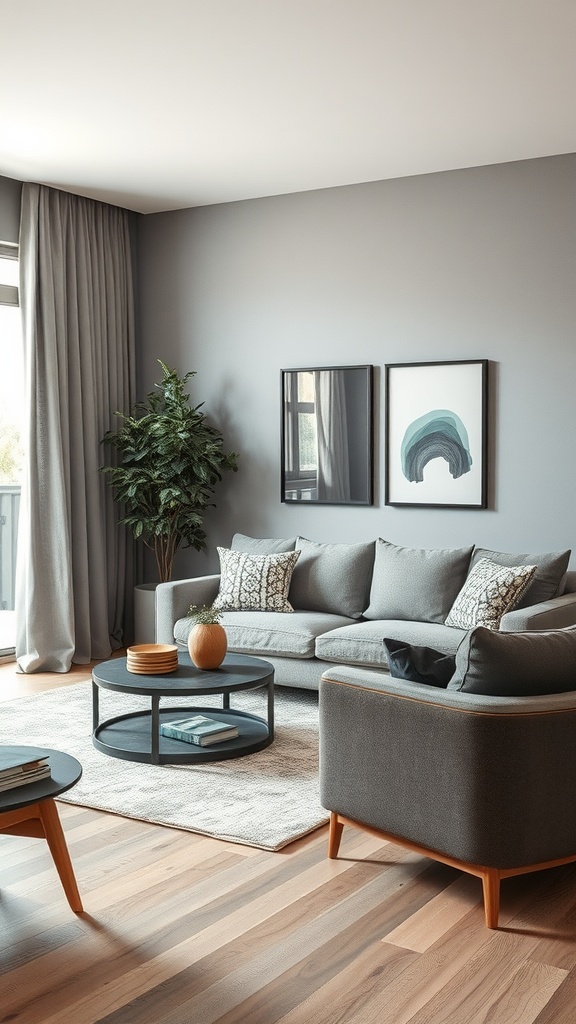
[(30, 810)]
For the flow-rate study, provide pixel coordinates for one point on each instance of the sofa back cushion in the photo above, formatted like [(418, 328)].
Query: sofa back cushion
[(550, 573), (262, 545), (416, 583), (516, 664), (332, 578)]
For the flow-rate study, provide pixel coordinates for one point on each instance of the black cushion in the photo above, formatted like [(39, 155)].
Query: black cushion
[(419, 664)]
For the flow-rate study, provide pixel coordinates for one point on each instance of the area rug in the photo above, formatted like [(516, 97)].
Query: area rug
[(267, 799)]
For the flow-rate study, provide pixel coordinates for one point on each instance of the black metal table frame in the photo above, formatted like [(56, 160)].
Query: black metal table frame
[(196, 753)]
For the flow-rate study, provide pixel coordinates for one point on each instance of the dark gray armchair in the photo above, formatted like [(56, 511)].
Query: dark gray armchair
[(484, 784)]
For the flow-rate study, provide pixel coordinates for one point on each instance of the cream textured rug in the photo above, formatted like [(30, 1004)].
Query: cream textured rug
[(267, 799)]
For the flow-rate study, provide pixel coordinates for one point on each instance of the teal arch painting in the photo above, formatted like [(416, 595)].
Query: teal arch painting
[(439, 434)]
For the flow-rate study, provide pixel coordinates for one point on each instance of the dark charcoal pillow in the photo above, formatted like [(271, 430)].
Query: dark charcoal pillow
[(550, 574), (516, 664), (419, 664)]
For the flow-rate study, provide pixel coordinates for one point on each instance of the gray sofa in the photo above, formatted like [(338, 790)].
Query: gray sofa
[(348, 597), (479, 775)]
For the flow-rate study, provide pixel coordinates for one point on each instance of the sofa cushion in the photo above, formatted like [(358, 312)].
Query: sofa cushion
[(332, 577), (419, 664), (270, 633), (516, 664), (361, 643), (255, 582), (262, 545), (490, 591), (548, 582), (416, 583)]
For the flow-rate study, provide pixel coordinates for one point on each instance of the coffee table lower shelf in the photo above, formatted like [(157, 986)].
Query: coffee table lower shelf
[(129, 737)]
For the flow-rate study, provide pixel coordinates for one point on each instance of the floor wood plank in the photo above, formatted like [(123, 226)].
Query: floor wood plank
[(184, 929), (430, 922)]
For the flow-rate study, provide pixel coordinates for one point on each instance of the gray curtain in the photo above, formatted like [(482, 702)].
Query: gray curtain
[(332, 436), (75, 564)]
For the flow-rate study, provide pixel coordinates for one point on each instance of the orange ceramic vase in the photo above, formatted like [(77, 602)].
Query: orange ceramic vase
[(207, 645)]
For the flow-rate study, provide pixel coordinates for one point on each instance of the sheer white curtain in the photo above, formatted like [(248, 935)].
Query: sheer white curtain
[(75, 564), (332, 436)]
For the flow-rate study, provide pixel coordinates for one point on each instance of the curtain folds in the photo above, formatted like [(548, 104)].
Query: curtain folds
[(332, 436), (75, 564)]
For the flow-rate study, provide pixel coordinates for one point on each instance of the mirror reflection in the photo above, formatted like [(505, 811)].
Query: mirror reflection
[(327, 435)]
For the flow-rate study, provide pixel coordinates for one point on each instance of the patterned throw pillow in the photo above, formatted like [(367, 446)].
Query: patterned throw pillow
[(489, 592), (250, 583)]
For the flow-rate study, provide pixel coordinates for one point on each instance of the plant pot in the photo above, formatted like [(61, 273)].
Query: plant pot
[(207, 645), (145, 613)]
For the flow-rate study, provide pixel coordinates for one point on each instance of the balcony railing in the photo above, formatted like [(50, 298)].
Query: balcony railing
[(9, 509)]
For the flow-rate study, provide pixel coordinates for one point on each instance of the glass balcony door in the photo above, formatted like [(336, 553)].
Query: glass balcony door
[(11, 433)]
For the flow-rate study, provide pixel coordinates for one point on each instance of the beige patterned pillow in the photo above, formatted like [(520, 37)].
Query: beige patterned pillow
[(489, 592), (250, 583)]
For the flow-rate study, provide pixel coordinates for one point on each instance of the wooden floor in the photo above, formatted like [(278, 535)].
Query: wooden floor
[(181, 929)]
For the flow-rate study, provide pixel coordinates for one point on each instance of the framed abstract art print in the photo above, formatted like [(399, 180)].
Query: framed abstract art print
[(436, 434)]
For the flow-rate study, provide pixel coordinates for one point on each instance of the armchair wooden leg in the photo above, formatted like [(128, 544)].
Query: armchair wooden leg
[(491, 890), (334, 835)]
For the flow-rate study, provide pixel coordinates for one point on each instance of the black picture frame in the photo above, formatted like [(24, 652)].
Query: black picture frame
[(327, 447), (437, 434)]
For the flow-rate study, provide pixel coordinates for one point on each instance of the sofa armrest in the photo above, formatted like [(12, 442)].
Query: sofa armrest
[(173, 601), (557, 613), (490, 781)]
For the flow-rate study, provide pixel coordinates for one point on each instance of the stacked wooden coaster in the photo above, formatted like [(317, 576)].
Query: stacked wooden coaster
[(152, 659)]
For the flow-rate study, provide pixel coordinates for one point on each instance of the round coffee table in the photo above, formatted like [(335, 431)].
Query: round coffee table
[(30, 810), (135, 736)]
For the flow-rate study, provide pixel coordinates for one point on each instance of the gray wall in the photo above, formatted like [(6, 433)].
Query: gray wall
[(9, 209), (477, 263)]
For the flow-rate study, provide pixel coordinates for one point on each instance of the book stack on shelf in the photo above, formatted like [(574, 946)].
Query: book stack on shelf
[(21, 769), (199, 730)]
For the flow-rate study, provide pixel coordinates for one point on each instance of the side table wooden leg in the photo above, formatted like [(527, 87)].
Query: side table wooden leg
[(57, 843)]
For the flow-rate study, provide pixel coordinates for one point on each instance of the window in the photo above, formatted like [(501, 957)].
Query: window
[(301, 437), (11, 433)]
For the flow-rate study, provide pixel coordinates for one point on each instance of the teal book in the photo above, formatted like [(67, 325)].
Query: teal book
[(199, 730)]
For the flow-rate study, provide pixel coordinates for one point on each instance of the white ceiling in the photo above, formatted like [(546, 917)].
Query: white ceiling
[(176, 103)]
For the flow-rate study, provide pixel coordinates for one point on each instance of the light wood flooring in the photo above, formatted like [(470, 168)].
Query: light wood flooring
[(182, 929)]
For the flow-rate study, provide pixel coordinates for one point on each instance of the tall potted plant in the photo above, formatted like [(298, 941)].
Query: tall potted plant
[(169, 460)]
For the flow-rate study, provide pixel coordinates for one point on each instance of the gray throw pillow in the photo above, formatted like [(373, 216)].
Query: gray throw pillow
[(332, 577), (516, 664), (419, 664), (548, 582), (262, 546), (418, 584)]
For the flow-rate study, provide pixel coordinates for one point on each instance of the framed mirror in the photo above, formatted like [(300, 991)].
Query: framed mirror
[(327, 444)]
